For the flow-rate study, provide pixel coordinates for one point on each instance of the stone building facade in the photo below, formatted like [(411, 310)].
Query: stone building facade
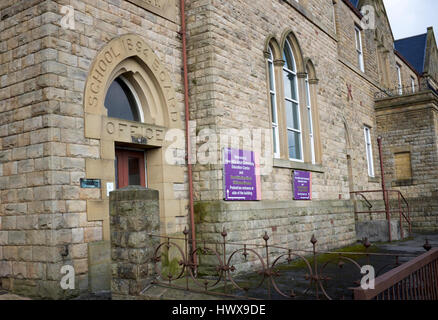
[(65, 143)]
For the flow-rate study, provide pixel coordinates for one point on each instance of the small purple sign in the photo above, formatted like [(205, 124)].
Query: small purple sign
[(241, 175), (302, 185)]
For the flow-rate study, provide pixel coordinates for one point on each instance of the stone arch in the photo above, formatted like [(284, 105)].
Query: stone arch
[(313, 92), (130, 56), (272, 42), (310, 69), (296, 49)]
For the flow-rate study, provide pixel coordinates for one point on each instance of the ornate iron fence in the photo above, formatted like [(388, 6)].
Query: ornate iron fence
[(255, 271)]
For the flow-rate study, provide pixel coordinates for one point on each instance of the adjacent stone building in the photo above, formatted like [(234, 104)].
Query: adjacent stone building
[(92, 99)]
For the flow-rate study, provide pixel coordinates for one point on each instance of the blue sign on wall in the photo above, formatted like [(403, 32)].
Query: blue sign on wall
[(90, 183)]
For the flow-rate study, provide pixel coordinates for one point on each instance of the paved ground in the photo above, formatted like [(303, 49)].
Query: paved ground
[(4, 295), (414, 246), (342, 280), (342, 276)]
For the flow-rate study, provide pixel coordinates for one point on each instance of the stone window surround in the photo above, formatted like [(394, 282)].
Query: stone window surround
[(369, 151), (359, 47), (305, 69), (291, 128), (274, 109), (399, 78), (405, 182)]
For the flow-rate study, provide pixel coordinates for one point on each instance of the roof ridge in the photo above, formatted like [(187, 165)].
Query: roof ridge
[(418, 35), (425, 52)]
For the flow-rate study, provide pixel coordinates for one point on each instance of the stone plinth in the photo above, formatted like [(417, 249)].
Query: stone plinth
[(134, 213)]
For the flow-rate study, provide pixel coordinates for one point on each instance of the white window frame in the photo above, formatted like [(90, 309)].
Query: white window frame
[(359, 48), (413, 84), (136, 98), (309, 114), (299, 130), (273, 99), (400, 85), (369, 151)]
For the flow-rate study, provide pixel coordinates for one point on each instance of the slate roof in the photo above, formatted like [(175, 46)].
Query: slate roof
[(355, 3), (414, 50)]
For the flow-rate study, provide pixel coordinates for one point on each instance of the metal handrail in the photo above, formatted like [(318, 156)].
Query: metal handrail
[(410, 281), (369, 205), (400, 91), (400, 209)]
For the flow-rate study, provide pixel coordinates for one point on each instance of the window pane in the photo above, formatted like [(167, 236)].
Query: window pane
[(271, 77), (369, 151), (294, 145), (134, 171), (120, 102), (289, 85), (273, 109), (288, 57), (292, 115), (358, 46), (309, 116), (274, 136), (307, 93)]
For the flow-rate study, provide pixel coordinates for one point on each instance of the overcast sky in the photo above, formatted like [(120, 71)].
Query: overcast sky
[(412, 17)]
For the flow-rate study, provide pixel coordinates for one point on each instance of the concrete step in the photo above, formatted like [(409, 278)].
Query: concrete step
[(377, 231)]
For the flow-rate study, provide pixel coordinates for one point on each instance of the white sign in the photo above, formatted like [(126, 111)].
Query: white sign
[(109, 187)]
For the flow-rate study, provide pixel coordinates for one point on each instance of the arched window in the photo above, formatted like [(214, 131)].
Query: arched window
[(121, 101), (292, 107), (309, 117), (293, 104), (274, 109)]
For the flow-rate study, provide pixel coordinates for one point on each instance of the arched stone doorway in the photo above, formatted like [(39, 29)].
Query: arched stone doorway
[(141, 108), (130, 63)]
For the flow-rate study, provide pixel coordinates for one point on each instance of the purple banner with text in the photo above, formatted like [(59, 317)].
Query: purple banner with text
[(241, 175), (302, 185)]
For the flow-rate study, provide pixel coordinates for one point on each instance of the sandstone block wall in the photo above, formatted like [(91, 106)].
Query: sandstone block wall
[(288, 224), (409, 126), (41, 208), (44, 152), (228, 66), (43, 149), (134, 213)]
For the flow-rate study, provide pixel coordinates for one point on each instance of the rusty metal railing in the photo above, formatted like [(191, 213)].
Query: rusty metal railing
[(405, 90), (315, 279), (403, 209), (414, 280)]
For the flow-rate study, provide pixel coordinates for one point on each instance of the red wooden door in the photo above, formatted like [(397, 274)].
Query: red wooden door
[(130, 168)]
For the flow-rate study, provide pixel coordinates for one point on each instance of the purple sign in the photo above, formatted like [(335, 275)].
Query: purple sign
[(241, 175), (302, 185)]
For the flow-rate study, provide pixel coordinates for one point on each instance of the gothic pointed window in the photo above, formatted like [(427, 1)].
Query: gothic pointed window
[(121, 102), (273, 101), (310, 119), (292, 107), (293, 104), (359, 49)]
